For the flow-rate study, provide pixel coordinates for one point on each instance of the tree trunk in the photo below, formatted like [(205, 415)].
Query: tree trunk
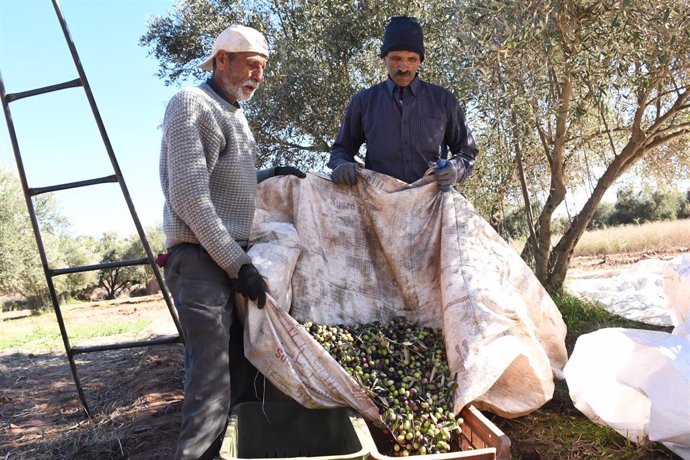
[(560, 256), (542, 254)]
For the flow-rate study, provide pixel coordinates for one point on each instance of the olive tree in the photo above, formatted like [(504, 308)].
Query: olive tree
[(21, 271), (322, 52), (77, 252), (559, 93), (582, 90), (115, 280)]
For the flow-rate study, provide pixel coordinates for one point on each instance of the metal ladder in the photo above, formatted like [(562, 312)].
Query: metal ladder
[(30, 192)]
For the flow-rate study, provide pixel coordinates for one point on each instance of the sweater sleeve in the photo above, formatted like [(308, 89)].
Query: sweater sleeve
[(192, 147)]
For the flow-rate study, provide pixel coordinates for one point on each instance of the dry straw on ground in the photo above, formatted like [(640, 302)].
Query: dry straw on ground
[(652, 238)]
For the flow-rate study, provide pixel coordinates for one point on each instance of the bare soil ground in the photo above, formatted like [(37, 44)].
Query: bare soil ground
[(624, 258), (135, 395)]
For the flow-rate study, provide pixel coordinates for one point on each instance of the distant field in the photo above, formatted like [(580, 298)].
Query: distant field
[(88, 323), (651, 237), (40, 333)]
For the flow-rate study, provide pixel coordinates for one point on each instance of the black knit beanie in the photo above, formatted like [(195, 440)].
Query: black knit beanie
[(403, 33)]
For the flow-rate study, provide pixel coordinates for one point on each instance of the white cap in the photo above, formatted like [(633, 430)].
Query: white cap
[(237, 39)]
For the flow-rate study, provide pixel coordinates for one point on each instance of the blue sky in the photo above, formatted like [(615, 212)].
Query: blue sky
[(57, 134)]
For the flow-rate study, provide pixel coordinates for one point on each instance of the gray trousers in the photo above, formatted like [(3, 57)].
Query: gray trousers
[(203, 296)]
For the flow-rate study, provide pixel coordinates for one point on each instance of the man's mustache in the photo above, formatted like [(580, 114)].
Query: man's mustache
[(403, 73)]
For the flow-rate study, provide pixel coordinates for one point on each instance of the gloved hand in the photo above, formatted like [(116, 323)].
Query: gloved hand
[(345, 174), (288, 171), (251, 284), (446, 176)]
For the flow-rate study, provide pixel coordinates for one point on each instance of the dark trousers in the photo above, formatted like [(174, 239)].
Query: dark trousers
[(214, 353)]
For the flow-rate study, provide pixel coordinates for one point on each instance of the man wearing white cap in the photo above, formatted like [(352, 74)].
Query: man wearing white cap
[(209, 177)]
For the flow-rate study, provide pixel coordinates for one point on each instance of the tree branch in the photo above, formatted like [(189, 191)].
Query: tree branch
[(600, 132), (670, 128), (606, 125), (664, 139), (542, 135), (308, 148), (666, 93), (680, 102), (538, 255)]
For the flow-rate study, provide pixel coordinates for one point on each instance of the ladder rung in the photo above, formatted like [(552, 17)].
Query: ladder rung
[(87, 268), (83, 183), (122, 345), (46, 89)]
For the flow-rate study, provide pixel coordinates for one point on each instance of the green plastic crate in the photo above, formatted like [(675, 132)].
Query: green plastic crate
[(285, 429)]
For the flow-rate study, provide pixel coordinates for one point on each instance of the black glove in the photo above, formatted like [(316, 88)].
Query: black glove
[(251, 284), (446, 176), (288, 171), (345, 174)]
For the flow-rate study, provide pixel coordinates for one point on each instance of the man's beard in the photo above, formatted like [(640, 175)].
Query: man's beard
[(242, 91)]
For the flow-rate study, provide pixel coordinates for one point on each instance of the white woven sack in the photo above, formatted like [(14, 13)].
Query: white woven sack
[(342, 255)]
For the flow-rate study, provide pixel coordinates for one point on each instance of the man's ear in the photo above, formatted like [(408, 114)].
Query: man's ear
[(222, 59), (219, 59)]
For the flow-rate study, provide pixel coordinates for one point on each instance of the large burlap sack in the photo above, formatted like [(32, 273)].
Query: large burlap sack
[(342, 255)]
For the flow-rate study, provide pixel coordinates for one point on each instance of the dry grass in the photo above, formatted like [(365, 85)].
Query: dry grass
[(134, 394), (135, 397), (648, 239), (657, 237)]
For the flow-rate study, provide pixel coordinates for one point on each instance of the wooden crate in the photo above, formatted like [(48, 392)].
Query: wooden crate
[(480, 440)]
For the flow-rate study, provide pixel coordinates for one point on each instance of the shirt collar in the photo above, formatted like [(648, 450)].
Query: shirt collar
[(217, 90), (414, 85)]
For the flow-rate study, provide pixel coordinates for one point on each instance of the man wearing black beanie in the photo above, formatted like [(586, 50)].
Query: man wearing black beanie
[(406, 123)]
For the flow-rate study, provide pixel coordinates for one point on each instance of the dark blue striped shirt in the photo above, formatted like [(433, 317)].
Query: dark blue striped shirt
[(401, 138)]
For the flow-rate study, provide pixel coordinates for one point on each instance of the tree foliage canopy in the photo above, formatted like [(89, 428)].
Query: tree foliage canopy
[(561, 95), (21, 271), (20, 265), (639, 206), (322, 53), (577, 92)]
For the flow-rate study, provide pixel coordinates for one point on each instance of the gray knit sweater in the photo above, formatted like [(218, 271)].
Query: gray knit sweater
[(208, 175)]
